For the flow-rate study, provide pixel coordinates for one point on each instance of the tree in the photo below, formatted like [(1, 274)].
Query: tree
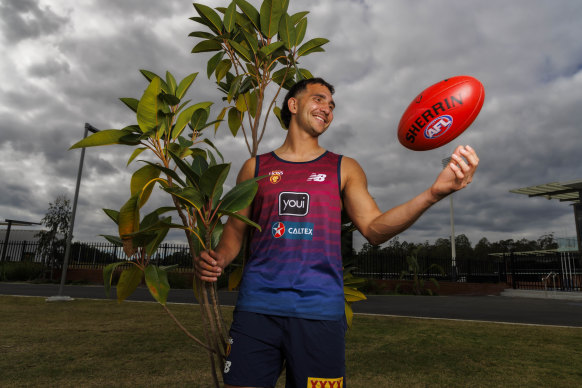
[(254, 49), (51, 242)]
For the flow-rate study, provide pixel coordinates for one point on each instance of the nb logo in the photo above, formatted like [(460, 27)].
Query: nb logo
[(438, 126), (314, 177)]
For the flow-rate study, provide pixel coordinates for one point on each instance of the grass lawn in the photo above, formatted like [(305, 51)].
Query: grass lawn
[(86, 343)]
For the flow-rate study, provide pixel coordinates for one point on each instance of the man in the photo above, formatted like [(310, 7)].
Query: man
[(290, 306)]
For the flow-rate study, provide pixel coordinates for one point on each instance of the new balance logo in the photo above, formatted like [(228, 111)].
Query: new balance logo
[(314, 177)]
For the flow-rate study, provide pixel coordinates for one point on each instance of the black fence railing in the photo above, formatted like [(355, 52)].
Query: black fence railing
[(94, 255), (530, 270), (379, 265)]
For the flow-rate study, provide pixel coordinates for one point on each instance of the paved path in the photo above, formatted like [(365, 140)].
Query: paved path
[(542, 311)]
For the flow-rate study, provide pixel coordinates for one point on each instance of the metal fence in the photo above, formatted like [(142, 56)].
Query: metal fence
[(544, 271), (95, 255), (380, 265), (528, 270)]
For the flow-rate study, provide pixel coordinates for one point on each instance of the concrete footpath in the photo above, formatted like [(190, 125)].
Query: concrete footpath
[(514, 306)]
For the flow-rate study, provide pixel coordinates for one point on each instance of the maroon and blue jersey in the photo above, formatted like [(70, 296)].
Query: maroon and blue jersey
[(295, 265)]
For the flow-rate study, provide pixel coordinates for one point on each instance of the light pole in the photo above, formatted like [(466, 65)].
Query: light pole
[(445, 163), (60, 297)]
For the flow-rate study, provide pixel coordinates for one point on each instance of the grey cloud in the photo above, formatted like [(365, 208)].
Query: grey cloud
[(25, 19)]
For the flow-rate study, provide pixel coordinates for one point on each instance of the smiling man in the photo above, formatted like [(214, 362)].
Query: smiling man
[(290, 308)]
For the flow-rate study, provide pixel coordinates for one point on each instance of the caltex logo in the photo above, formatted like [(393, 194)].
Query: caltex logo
[(278, 229)]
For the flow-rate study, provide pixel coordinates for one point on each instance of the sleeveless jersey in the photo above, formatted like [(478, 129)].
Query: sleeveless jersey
[(295, 264)]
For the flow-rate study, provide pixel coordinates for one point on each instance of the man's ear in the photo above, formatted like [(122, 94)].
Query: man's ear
[(292, 105)]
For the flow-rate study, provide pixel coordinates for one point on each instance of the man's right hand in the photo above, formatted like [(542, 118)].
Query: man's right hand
[(208, 266)]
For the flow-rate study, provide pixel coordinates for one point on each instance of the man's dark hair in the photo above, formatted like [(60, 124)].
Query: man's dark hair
[(295, 90)]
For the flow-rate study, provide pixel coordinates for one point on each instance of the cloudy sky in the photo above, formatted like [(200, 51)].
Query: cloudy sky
[(67, 63)]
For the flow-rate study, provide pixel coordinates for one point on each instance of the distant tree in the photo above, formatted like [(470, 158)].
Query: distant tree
[(483, 248), (51, 243), (463, 247), (547, 241)]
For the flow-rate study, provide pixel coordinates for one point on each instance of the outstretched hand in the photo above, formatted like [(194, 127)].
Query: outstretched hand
[(457, 174)]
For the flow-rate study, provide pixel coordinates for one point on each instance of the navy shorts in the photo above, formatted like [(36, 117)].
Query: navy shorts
[(313, 351)]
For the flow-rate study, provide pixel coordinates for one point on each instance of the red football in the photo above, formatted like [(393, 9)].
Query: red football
[(440, 113)]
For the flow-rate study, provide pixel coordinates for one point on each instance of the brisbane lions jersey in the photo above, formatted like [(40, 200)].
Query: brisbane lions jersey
[(295, 264)]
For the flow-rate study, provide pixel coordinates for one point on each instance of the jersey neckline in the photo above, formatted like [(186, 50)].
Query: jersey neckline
[(309, 161)]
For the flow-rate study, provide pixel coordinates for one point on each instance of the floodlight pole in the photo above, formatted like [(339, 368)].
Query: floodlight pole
[(60, 297), (445, 163)]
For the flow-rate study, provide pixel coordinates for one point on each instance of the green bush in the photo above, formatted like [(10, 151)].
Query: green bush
[(22, 271)]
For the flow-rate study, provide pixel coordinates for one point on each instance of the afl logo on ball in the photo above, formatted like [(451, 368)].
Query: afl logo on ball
[(438, 126), (278, 229)]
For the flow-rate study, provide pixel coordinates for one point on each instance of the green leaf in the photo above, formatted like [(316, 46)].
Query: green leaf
[(190, 195), (202, 35), (234, 278), (198, 120), (115, 240), (271, 12), (300, 29), (129, 223), (287, 31), (243, 52), (234, 87), (250, 12), (219, 118), (157, 282), (240, 217), (160, 235), (240, 196), (171, 81), (277, 112), (222, 68), (234, 120), (128, 281), (271, 48), (150, 77), (252, 41), (186, 169), (296, 18), (230, 17), (185, 85), (213, 62), (311, 46), (130, 102), (147, 108), (353, 295), (213, 178), (104, 137), (140, 182), (207, 46), (199, 164), (207, 141), (135, 154), (113, 214), (108, 275), (212, 19), (169, 172), (349, 314)]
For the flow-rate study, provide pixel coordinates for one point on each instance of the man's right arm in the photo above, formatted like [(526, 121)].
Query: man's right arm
[(209, 264)]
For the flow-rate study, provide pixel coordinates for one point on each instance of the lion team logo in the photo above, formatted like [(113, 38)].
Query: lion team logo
[(276, 176)]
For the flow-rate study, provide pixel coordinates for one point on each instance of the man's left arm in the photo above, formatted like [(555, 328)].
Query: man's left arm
[(377, 226)]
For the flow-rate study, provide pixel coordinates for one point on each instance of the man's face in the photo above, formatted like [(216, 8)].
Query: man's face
[(313, 109)]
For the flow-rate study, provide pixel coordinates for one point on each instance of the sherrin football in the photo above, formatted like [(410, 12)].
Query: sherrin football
[(440, 113)]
